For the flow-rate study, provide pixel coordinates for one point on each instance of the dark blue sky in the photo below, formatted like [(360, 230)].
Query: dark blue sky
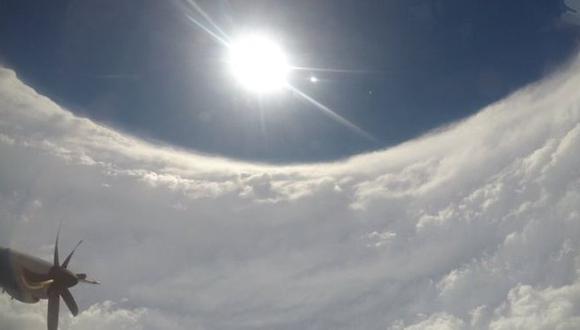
[(142, 67)]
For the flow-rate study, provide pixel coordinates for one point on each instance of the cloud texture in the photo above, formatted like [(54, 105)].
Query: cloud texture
[(474, 226)]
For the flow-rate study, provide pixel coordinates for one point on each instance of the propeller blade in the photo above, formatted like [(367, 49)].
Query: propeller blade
[(53, 308), (84, 280), (70, 302), (82, 277), (67, 260), (56, 261)]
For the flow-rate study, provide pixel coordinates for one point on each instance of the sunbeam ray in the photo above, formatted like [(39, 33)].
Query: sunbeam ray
[(208, 18), (210, 32), (220, 36), (333, 115), (191, 7)]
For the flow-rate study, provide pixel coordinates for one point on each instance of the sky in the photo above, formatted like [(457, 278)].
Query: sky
[(471, 225), (401, 68)]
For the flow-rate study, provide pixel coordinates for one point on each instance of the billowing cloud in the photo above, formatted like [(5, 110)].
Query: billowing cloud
[(474, 226)]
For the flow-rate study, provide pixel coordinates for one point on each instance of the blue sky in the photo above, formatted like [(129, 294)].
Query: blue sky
[(142, 67)]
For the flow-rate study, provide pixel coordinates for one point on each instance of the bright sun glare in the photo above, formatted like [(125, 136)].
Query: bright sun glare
[(259, 64)]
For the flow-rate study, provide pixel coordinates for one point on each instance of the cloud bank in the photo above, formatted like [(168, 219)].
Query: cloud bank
[(474, 226)]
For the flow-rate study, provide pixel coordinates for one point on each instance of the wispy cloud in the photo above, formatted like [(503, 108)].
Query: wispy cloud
[(472, 226)]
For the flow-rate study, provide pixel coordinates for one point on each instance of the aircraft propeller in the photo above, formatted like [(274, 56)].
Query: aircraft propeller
[(60, 279)]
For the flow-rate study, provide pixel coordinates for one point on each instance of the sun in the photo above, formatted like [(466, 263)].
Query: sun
[(258, 64)]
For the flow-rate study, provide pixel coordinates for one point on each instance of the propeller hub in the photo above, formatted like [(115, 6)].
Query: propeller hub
[(63, 278)]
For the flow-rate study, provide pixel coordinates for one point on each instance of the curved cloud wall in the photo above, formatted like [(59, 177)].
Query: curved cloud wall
[(474, 226)]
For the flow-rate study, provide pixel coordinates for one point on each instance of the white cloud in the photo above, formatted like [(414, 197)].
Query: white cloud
[(530, 308), (106, 316), (438, 321), (472, 226), (15, 316)]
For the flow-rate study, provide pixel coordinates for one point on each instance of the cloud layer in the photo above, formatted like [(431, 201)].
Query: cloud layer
[(474, 226)]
